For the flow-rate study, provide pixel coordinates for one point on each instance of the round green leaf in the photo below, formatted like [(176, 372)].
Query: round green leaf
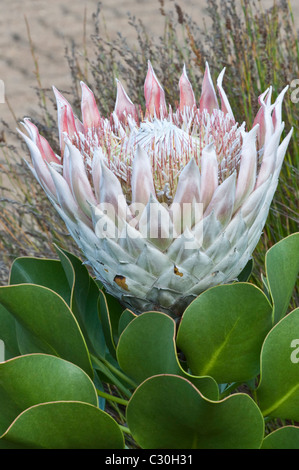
[(168, 412), (63, 425), (278, 391), (282, 267), (283, 438), (126, 317), (51, 326), (37, 378), (147, 347), (43, 272), (222, 331)]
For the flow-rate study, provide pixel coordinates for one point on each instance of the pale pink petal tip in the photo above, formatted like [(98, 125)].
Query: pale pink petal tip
[(262, 116), (90, 113), (142, 178), (208, 99), (209, 174), (111, 192), (225, 106), (187, 98), (66, 118), (277, 112), (248, 166), (188, 189), (123, 105), (40, 166), (42, 144), (154, 94)]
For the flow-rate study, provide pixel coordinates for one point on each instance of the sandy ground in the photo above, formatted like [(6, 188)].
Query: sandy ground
[(53, 24)]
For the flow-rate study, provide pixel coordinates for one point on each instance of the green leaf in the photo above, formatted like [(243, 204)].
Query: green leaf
[(84, 301), (38, 378), (126, 317), (43, 272), (283, 438), (8, 333), (110, 312), (168, 412), (147, 347), (282, 267), (48, 322), (222, 331), (278, 391), (63, 425), (246, 273)]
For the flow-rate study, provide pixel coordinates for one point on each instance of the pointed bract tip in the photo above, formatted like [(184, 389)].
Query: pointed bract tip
[(154, 94), (208, 99), (220, 77), (58, 94), (209, 147), (187, 98), (192, 163)]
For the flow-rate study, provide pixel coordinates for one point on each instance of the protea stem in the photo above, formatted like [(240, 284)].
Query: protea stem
[(109, 397), (115, 374)]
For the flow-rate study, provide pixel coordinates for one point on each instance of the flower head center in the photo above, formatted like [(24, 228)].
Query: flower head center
[(170, 144)]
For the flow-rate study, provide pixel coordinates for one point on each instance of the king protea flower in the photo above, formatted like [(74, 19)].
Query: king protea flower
[(163, 204)]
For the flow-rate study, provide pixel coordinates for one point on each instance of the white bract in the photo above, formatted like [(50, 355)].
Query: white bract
[(166, 204)]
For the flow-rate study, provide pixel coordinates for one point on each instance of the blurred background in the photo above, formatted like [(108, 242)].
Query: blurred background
[(54, 25)]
